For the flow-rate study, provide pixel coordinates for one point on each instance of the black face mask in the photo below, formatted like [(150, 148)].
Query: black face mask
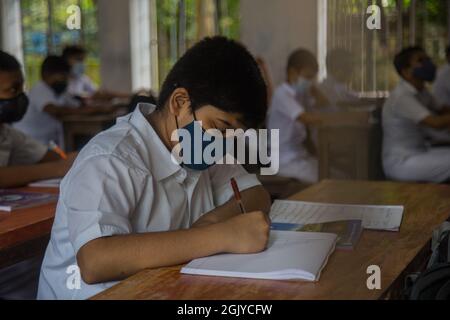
[(59, 87), (13, 110), (426, 72)]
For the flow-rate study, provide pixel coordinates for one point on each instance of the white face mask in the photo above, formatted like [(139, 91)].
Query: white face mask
[(302, 86), (78, 69)]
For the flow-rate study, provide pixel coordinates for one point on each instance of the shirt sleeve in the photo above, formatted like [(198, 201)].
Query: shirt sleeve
[(100, 196), (441, 88), (220, 179), (288, 106), (409, 107), (25, 150)]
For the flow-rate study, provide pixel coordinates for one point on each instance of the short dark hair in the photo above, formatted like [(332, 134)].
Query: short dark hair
[(220, 72), (8, 63), (54, 64), (302, 58), (402, 59), (73, 50)]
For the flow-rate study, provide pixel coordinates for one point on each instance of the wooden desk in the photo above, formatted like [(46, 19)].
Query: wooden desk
[(25, 233), (89, 125), (84, 125), (344, 277), (351, 150)]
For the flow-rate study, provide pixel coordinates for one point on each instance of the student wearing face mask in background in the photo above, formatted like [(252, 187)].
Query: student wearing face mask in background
[(22, 160), (291, 113), (49, 100), (79, 84), (408, 116)]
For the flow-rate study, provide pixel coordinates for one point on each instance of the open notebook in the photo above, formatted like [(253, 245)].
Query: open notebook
[(290, 255)]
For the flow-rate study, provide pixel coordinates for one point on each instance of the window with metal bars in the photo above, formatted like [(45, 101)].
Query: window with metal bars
[(403, 23), (181, 23), (45, 32)]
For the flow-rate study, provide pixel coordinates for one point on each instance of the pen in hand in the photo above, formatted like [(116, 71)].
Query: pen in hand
[(237, 195), (54, 147)]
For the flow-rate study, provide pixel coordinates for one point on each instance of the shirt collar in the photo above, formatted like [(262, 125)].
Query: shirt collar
[(159, 158)]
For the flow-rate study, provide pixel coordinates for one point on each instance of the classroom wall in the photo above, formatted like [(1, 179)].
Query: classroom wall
[(114, 38), (273, 29)]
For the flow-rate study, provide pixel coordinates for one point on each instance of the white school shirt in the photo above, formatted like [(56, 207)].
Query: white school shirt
[(403, 111), (283, 115), (336, 92), (16, 148), (124, 182), (81, 86), (441, 86), (39, 124)]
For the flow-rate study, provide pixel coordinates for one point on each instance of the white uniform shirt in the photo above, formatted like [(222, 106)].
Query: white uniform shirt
[(81, 86), (441, 86), (337, 92), (402, 113), (17, 148), (39, 124), (124, 182), (283, 115)]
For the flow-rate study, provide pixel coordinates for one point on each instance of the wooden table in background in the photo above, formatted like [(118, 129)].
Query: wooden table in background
[(344, 277), (25, 233), (84, 125)]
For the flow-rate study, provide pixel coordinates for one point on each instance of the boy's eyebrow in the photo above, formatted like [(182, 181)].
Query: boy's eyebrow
[(229, 124)]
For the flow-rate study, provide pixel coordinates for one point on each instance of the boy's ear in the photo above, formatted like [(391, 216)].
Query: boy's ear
[(179, 102)]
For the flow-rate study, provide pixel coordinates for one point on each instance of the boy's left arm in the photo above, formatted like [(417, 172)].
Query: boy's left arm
[(253, 199)]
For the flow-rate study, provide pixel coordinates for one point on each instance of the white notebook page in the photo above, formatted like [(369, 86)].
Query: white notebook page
[(290, 255), (372, 217)]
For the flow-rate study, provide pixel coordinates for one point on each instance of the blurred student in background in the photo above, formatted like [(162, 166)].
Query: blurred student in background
[(441, 87), (49, 100), (79, 84), (288, 113), (335, 85), (408, 114), (22, 160)]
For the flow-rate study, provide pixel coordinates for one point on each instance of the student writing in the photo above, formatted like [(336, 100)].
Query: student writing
[(126, 206), (22, 159)]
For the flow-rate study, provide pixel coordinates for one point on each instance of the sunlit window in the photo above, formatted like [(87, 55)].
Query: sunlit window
[(181, 23), (404, 22), (45, 32)]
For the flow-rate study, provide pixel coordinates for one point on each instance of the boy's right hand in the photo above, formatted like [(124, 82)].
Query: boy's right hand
[(247, 233)]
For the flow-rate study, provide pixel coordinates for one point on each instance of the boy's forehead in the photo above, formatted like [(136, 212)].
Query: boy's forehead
[(419, 55), (233, 118), (10, 78)]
